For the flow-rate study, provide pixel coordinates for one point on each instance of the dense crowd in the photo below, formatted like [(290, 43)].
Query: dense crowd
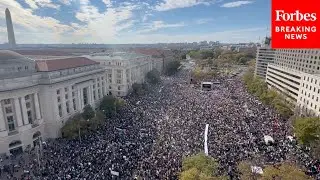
[(149, 137)]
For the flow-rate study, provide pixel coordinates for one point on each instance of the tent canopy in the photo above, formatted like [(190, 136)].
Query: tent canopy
[(209, 83), (268, 139)]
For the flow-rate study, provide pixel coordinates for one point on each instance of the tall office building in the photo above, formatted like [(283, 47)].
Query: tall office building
[(11, 39), (296, 73), (265, 55)]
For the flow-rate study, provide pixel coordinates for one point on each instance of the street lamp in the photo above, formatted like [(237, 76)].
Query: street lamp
[(115, 106), (79, 133), (38, 157)]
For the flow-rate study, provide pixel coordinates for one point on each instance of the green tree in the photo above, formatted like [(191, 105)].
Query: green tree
[(110, 105), (203, 163), (315, 149), (190, 174), (71, 127), (307, 129), (248, 77), (172, 67), (210, 62), (252, 63), (138, 89), (243, 60), (205, 54), (258, 87), (284, 172), (195, 54), (120, 103), (198, 75), (153, 76), (245, 171), (145, 87), (88, 112), (195, 174), (284, 109), (97, 121), (200, 167), (269, 96), (217, 53)]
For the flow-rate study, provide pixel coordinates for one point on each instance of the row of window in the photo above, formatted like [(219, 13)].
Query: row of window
[(25, 68), (296, 56), (286, 73), (310, 88), (299, 59), (312, 96), (305, 51), (73, 70), (68, 108), (65, 93), (293, 61), (283, 77), (284, 90), (116, 63), (293, 87), (98, 89), (9, 112), (313, 106), (311, 80), (301, 63)]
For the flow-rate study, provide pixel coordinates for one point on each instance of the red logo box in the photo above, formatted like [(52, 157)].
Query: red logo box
[(295, 24)]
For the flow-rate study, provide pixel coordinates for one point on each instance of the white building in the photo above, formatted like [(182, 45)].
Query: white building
[(37, 97), (305, 60), (285, 80), (309, 96), (295, 73), (124, 69), (264, 56)]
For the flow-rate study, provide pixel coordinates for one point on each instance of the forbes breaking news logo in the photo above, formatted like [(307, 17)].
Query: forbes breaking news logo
[(295, 24), (292, 32)]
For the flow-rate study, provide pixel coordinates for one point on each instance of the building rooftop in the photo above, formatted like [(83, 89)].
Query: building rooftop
[(11, 57), (44, 57), (65, 63), (115, 55), (6, 54), (43, 52)]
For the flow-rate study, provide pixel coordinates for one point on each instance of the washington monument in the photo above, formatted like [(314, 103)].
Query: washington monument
[(11, 39)]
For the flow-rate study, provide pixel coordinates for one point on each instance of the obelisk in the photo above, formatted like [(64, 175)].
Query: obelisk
[(11, 39)]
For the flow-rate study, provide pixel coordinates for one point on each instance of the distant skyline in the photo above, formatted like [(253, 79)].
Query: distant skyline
[(135, 21)]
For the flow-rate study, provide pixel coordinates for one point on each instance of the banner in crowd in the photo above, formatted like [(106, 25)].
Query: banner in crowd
[(206, 139), (115, 173)]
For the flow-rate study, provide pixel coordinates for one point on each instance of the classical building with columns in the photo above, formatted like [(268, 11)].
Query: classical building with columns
[(37, 97), (125, 68)]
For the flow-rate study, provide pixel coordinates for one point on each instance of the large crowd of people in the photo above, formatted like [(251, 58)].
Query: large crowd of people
[(151, 135)]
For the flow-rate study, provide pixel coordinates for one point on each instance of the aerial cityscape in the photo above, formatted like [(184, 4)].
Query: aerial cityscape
[(101, 89)]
